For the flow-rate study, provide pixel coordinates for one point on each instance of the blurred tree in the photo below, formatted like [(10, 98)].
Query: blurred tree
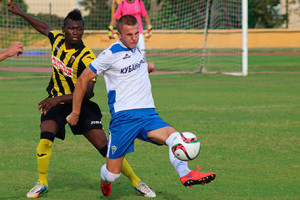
[(6, 17), (264, 14), (155, 6), (54, 21), (99, 14), (177, 14)]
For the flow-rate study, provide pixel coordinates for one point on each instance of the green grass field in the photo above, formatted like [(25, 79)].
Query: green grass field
[(248, 128)]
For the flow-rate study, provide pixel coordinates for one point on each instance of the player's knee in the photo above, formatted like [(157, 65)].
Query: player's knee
[(47, 135), (44, 145), (103, 151), (171, 131), (107, 176), (171, 136)]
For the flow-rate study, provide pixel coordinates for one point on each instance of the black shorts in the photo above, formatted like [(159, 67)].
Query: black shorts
[(90, 118)]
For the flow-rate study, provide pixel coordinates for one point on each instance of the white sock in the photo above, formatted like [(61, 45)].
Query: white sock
[(180, 166), (108, 177)]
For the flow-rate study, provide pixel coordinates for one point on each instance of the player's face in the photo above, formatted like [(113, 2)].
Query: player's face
[(73, 33), (129, 35)]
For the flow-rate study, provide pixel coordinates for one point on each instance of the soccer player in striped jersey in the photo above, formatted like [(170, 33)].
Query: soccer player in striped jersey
[(131, 105), (69, 58)]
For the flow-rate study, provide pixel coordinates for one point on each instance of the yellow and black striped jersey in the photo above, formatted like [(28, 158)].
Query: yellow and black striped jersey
[(67, 64)]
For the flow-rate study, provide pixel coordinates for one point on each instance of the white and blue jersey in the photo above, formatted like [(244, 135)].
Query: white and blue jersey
[(130, 99), (126, 76)]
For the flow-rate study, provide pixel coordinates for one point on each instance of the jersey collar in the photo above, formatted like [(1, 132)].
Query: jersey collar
[(126, 48), (73, 49)]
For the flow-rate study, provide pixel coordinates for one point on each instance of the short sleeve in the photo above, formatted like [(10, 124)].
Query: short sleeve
[(53, 35), (88, 59), (85, 62), (102, 63)]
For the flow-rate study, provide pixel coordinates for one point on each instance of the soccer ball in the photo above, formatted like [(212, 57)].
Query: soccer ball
[(186, 146)]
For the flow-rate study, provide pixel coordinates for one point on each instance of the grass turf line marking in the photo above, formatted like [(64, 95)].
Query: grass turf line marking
[(22, 77)]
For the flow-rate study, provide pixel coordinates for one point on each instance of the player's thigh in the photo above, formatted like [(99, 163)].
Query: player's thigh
[(160, 135), (97, 137), (49, 126), (89, 119), (114, 165), (54, 121)]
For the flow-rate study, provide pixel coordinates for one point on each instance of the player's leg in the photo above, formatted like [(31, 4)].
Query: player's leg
[(123, 132), (136, 182), (188, 177), (110, 172), (44, 151), (158, 131), (95, 134), (166, 135), (52, 125), (98, 138)]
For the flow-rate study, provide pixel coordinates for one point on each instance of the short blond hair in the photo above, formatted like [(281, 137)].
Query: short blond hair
[(126, 20)]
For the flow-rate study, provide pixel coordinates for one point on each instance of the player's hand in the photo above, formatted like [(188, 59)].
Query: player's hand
[(15, 49), (151, 67), (72, 118), (48, 103), (149, 32), (14, 8), (111, 33)]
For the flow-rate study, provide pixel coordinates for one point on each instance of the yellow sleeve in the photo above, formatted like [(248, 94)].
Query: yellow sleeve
[(88, 59)]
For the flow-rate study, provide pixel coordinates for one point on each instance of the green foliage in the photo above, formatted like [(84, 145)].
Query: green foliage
[(16, 28), (7, 18), (54, 21), (264, 14), (172, 15), (98, 9), (178, 15)]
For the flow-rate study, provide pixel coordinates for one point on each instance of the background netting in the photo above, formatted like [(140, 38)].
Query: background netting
[(187, 34)]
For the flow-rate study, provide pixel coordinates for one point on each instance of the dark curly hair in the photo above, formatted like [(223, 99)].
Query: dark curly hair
[(74, 15)]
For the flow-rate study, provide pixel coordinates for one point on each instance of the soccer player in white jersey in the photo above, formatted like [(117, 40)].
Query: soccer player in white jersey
[(131, 106)]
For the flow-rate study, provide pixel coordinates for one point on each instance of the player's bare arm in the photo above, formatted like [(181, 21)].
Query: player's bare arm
[(147, 20), (113, 22), (14, 49), (80, 89), (148, 34), (46, 104), (39, 25)]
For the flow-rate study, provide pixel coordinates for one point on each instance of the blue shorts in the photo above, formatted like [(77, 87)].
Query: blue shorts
[(127, 125)]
